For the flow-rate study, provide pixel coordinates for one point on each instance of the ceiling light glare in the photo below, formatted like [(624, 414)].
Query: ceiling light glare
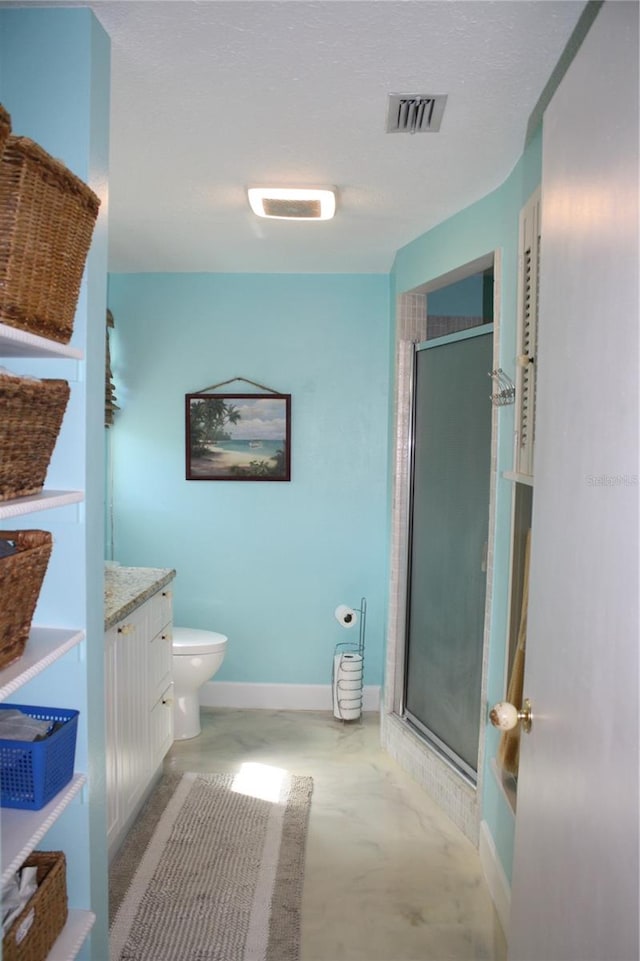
[(293, 203)]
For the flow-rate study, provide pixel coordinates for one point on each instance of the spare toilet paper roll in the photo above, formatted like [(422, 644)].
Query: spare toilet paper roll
[(347, 686), (350, 662), (346, 615), (349, 713)]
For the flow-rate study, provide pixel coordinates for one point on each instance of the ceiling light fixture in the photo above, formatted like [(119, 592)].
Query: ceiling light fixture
[(293, 203)]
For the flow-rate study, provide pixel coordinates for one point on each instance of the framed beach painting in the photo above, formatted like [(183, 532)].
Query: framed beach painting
[(238, 437)]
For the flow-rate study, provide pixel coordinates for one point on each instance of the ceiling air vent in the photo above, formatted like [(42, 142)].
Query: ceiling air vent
[(415, 112)]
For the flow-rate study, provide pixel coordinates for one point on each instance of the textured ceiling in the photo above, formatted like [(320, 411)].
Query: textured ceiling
[(209, 97)]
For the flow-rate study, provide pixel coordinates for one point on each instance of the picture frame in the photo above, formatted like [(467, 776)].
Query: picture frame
[(238, 437)]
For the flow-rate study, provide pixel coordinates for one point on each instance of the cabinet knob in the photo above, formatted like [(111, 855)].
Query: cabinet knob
[(126, 629), (167, 594), (167, 700)]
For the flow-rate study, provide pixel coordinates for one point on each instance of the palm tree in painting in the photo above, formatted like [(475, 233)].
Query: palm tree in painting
[(208, 417)]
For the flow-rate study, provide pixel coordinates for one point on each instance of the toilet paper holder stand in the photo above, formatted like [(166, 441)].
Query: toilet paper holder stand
[(350, 647)]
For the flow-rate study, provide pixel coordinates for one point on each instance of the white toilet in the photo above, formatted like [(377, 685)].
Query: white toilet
[(197, 655)]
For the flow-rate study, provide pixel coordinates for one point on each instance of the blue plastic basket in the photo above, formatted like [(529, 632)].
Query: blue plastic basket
[(32, 772)]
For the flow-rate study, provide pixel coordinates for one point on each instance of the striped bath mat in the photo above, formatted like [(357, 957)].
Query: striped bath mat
[(218, 874)]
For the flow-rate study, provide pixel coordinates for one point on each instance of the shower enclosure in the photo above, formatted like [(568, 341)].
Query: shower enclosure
[(449, 519)]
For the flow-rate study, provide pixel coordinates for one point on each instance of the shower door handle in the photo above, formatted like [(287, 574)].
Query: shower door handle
[(505, 716)]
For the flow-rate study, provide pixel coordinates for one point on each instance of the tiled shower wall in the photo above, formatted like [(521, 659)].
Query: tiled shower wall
[(455, 795)]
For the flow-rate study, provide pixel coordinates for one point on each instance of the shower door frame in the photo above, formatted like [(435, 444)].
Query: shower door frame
[(459, 798), (448, 754)]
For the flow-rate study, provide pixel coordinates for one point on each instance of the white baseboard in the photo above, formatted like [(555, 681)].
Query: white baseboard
[(279, 697), (497, 881)]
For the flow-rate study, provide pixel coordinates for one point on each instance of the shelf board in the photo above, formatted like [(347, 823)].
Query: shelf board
[(21, 830), (45, 501), (68, 943), (19, 343), (518, 478), (44, 646)]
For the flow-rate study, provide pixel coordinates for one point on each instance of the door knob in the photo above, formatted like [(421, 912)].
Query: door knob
[(505, 716)]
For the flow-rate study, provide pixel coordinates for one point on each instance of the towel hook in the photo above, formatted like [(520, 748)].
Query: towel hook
[(506, 392)]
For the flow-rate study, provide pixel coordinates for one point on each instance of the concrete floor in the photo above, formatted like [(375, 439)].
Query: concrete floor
[(388, 876)]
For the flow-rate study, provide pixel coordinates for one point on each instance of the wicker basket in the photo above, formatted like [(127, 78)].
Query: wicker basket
[(33, 933), (32, 413), (21, 577), (47, 216), (5, 127)]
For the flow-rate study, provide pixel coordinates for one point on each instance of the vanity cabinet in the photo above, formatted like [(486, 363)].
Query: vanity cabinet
[(139, 708)]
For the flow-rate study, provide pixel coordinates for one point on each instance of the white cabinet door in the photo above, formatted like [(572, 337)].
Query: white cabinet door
[(159, 665), (160, 611), (160, 638), (161, 726), (159, 662), (133, 709), (139, 711), (112, 732)]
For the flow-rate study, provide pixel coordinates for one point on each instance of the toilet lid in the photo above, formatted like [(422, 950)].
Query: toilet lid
[(190, 640)]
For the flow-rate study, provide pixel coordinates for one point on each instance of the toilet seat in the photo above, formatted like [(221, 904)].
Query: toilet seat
[(188, 641)]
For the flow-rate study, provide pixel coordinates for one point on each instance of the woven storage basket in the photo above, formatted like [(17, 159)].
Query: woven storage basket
[(32, 413), (47, 216), (5, 127), (33, 933), (21, 577)]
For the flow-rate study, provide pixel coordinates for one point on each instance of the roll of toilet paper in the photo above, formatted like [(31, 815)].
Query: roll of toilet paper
[(350, 713), (346, 616), (351, 662), (347, 686)]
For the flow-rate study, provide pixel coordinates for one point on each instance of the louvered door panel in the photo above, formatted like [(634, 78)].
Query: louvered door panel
[(528, 286)]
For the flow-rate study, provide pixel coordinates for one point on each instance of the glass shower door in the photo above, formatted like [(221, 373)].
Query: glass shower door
[(449, 531)]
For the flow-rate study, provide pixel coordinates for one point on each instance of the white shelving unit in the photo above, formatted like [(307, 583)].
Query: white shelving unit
[(45, 645), (19, 343), (45, 501), (72, 936), (22, 830)]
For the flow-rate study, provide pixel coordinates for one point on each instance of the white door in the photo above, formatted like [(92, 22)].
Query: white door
[(575, 884)]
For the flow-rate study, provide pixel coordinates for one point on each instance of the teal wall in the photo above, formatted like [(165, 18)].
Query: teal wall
[(460, 299), (265, 563), (488, 225), (55, 81)]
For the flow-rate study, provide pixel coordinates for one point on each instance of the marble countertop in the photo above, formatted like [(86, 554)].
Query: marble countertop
[(126, 588)]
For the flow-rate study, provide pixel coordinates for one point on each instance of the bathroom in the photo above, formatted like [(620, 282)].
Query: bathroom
[(267, 563), (280, 645), (241, 550)]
